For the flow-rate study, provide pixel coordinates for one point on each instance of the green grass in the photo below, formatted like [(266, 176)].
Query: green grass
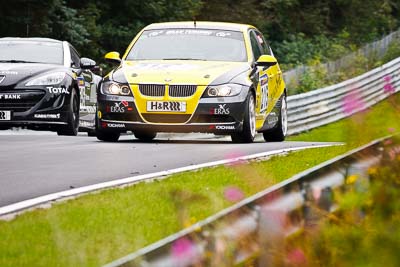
[(97, 228)]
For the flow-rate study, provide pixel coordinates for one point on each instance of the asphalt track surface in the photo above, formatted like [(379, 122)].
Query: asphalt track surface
[(35, 164)]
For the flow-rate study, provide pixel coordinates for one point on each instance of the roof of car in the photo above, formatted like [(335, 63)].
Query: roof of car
[(33, 39), (200, 25)]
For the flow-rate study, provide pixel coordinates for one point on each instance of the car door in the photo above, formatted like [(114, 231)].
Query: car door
[(87, 89), (264, 80), (276, 76)]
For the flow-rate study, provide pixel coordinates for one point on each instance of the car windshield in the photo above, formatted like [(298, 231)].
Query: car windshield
[(31, 51), (189, 44)]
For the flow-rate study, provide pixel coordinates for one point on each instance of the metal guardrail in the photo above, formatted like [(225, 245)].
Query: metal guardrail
[(266, 217), (319, 107), (375, 49)]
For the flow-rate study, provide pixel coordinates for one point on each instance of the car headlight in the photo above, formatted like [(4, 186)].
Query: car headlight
[(47, 79), (223, 90), (111, 88)]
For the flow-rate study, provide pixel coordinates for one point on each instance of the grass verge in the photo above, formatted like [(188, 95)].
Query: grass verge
[(98, 228)]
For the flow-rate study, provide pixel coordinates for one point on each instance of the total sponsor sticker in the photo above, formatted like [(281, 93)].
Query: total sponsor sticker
[(57, 90)]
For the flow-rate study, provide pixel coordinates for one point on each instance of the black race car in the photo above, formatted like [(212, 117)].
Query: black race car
[(45, 85)]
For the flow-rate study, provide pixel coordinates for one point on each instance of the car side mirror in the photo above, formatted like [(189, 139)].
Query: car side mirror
[(97, 70), (113, 57), (87, 63), (266, 61)]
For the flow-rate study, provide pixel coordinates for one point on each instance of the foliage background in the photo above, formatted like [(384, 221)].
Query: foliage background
[(298, 30)]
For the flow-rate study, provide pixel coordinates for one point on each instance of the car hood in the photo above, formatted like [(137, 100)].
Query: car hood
[(14, 73), (180, 72)]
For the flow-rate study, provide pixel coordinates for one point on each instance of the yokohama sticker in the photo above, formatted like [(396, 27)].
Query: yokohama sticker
[(223, 127), (115, 125)]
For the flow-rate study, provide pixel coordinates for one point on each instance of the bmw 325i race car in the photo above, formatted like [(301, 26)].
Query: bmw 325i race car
[(208, 77), (45, 85)]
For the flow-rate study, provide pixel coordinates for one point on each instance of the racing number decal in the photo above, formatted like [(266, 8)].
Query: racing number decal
[(264, 92), (84, 88)]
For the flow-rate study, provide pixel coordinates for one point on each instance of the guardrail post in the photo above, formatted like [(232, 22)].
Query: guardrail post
[(271, 236), (325, 202)]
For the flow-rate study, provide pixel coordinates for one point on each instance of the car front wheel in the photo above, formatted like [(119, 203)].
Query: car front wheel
[(145, 136), (249, 123), (72, 117), (107, 136), (278, 133)]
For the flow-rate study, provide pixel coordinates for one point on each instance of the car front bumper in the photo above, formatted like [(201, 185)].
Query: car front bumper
[(33, 108), (220, 115)]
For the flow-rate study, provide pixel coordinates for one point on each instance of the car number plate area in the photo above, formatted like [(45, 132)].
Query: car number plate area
[(5, 115), (166, 106)]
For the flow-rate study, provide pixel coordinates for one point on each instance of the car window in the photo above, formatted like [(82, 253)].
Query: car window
[(265, 47), (255, 46), (31, 51), (75, 58), (189, 44)]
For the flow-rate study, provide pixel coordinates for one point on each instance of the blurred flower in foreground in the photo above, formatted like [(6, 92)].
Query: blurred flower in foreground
[(233, 194), (316, 193), (233, 156), (388, 142), (388, 87), (182, 248), (352, 102), (352, 179), (296, 257)]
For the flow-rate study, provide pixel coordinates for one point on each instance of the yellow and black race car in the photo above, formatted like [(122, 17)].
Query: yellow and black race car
[(209, 77)]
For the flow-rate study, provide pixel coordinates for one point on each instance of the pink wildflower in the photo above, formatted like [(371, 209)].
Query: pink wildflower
[(352, 103), (388, 87), (316, 193), (387, 79), (296, 257), (233, 194), (182, 248), (233, 157), (388, 142)]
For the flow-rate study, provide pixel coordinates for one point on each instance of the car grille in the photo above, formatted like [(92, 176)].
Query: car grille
[(158, 90), (182, 90), (27, 101), (166, 118), (152, 89)]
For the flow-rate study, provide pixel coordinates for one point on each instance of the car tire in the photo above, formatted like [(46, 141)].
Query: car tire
[(91, 133), (278, 133), (107, 136), (249, 123), (145, 136), (72, 127), (101, 135)]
